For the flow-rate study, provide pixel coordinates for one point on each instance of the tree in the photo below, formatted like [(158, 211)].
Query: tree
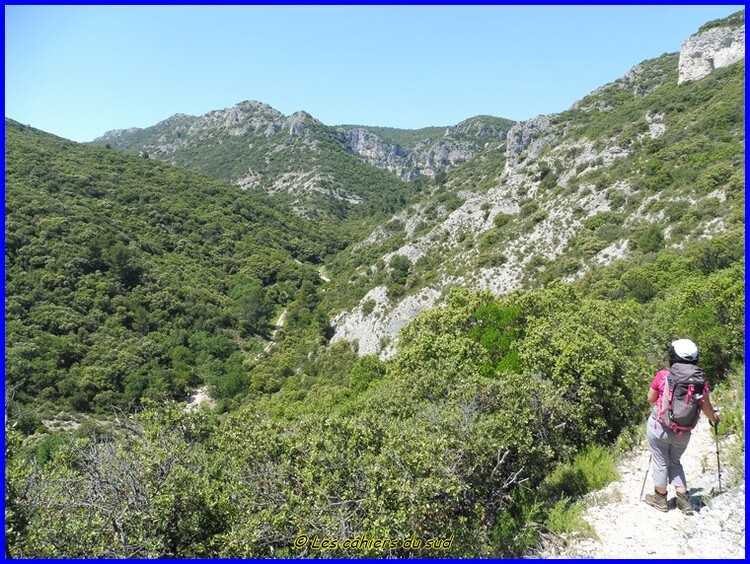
[(124, 265), (400, 269), (650, 240), (253, 311)]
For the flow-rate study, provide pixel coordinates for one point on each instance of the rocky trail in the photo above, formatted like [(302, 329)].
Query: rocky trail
[(626, 527), (201, 396), (272, 340)]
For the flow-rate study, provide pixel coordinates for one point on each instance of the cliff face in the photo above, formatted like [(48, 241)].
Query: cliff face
[(376, 152), (712, 49), (430, 154), (520, 137)]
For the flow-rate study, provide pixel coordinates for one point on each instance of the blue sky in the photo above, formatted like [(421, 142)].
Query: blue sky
[(78, 71)]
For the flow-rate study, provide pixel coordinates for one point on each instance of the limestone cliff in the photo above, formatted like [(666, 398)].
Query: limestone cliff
[(432, 153), (709, 50)]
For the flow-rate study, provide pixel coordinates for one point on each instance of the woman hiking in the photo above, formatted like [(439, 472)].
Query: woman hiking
[(677, 396)]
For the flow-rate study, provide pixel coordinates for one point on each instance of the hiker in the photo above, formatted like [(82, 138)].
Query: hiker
[(675, 411)]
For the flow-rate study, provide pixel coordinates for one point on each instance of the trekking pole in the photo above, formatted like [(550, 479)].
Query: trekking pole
[(718, 460), (640, 497)]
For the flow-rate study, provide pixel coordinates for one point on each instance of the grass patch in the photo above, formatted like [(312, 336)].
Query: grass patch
[(590, 470), (730, 397), (567, 517)]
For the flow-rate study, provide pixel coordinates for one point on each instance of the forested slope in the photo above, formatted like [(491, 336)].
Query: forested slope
[(455, 438), (128, 278)]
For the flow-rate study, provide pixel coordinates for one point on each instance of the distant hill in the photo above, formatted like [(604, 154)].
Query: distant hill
[(312, 169)]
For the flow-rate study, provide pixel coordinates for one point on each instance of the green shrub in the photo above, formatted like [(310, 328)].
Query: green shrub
[(490, 239), (46, 449), (512, 534), (590, 470), (395, 291), (400, 269), (367, 369), (368, 306), (501, 219), (650, 240), (567, 517), (491, 259), (729, 398)]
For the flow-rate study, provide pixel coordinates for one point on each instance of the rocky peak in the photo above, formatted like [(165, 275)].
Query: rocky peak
[(236, 119), (298, 123), (477, 127), (255, 107), (115, 133), (709, 50)]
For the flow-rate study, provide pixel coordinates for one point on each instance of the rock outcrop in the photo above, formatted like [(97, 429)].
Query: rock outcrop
[(521, 136), (375, 333), (376, 152), (443, 155), (115, 133), (429, 156), (712, 49), (426, 158)]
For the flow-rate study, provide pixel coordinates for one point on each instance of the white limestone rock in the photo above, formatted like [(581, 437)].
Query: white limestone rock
[(713, 49)]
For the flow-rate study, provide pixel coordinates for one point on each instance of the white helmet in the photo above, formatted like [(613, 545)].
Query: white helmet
[(685, 349)]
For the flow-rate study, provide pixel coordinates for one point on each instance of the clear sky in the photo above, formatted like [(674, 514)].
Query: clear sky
[(78, 71)]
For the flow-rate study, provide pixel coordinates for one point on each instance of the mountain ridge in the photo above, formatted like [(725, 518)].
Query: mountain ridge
[(237, 145), (608, 155)]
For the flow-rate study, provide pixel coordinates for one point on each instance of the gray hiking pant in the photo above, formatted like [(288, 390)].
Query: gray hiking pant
[(667, 448)]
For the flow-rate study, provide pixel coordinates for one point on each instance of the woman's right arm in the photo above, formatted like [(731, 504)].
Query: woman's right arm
[(708, 409)]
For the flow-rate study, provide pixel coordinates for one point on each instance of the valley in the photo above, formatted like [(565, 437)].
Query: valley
[(230, 331)]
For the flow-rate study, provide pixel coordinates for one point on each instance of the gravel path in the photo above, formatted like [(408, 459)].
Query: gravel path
[(628, 528), (199, 398)]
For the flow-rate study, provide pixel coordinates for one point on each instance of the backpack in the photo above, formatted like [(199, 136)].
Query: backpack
[(682, 398)]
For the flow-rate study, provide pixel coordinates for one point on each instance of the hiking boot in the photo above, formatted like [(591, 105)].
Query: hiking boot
[(657, 500), (683, 503)]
